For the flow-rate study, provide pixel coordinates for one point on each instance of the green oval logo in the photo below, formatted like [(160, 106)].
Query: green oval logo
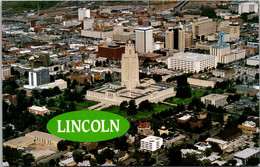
[(88, 126)]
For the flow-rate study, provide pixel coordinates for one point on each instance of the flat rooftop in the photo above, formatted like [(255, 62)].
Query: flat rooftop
[(246, 153), (214, 96), (192, 57), (19, 141), (44, 135), (254, 57)]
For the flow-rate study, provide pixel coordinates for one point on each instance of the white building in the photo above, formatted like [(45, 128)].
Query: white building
[(214, 99), (247, 153), (37, 110), (144, 39), (247, 7), (83, 13), (151, 143), (193, 62), (253, 61), (59, 83)]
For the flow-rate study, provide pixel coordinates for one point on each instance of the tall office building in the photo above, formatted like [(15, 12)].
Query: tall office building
[(130, 67), (248, 7), (144, 39), (202, 27), (39, 76), (83, 13), (175, 38)]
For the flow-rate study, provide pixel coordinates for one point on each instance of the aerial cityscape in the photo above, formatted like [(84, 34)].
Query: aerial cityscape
[(184, 74)]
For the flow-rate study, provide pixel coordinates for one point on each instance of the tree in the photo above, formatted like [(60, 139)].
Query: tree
[(157, 77), (183, 87), (209, 11), (121, 144), (208, 151), (108, 77), (11, 155), (164, 135), (123, 105), (56, 90), (174, 155), (52, 162), (233, 162), (132, 108), (42, 101), (62, 145), (215, 148), (191, 159), (63, 104), (145, 105), (77, 156), (51, 103), (28, 159), (72, 106), (253, 161), (255, 99), (35, 94)]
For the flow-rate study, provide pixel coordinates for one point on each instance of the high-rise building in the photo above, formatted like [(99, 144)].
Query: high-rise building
[(234, 31), (45, 59), (247, 7), (175, 38), (39, 76), (202, 27), (144, 39), (83, 13), (130, 67), (188, 39)]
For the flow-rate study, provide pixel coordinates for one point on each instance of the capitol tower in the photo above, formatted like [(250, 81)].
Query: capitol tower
[(130, 67)]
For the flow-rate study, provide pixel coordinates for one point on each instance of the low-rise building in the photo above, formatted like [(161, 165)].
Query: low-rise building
[(144, 128), (204, 82), (250, 127), (228, 134), (224, 73), (37, 110), (214, 99), (253, 61), (68, 162), (247, 153), (151, 143), (184, 118), (62, 84), (246, 90), (192, 62), (222, 144), (33, 137)]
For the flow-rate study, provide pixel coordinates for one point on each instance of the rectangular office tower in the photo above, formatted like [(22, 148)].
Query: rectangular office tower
[(39, 76), (144, 39), (175, 38)]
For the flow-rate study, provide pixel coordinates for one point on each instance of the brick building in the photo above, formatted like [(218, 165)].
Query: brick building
[(112, 52)]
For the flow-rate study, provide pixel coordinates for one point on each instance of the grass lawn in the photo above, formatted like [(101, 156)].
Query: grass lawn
[(82, 105), (176, 100), (157, 108)]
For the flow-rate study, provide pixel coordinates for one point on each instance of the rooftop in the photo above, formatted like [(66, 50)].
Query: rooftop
[(192, 57), (214, 96), (44, 135), (246, 153)]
